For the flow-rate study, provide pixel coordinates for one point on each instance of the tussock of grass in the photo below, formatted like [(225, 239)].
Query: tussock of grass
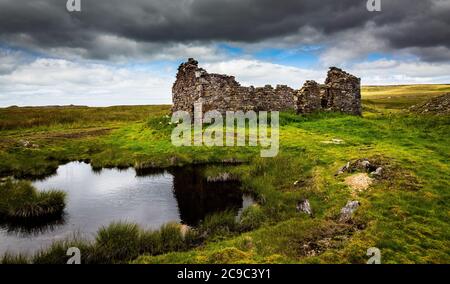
[(219, 225), (252, 218), (167, 239), (19, 200), (57, 252), (9, 258), (120, 242)]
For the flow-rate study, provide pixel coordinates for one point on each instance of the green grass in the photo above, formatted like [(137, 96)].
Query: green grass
[(401, 96), (9, 258), (119, 242), (405, 90), (57, 252), (405, 214), (19, 200), (219, 225), (252, 218), (73, 116)]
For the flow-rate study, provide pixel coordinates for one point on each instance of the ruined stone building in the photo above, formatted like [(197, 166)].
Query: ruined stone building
[(341, 92)]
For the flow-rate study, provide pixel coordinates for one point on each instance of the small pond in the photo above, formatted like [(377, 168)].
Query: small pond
[(97, 198)]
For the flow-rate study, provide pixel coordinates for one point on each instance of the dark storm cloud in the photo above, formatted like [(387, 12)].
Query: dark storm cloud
[(415, 24), (177, 20)]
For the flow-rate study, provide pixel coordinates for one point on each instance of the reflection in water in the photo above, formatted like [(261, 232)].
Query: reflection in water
[(196, 198), (33, 227), (97, 198)]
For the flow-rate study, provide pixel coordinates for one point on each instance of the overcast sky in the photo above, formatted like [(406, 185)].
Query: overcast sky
[(127, 52)]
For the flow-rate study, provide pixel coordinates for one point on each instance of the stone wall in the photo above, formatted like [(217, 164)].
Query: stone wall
[(341, 92), (307, 99), (224, 93)]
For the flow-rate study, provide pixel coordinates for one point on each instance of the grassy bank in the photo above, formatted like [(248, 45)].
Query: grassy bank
[(20, 201), (404, 213), (123, 242), (117, 243)]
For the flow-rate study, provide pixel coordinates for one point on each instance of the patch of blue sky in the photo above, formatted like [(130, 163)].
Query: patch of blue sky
[(28, 53), (302, 56), (230, 49)]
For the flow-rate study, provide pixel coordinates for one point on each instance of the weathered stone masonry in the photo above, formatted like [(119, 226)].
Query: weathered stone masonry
[(341, 92)]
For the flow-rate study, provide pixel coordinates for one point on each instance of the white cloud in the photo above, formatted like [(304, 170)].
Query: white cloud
[(390, 72), (380, 72), (10, 60), (259, 73), (48, 81), (63, 82), (350, 46)]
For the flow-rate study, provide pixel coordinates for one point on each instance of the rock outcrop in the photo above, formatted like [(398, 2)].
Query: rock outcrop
[(341, 92), (436, 106)]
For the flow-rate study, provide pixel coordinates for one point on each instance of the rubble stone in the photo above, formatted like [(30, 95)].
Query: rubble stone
[(348, 210), (304, 207)]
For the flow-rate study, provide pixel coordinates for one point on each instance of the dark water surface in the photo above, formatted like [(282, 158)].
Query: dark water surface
[(96, 199)]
